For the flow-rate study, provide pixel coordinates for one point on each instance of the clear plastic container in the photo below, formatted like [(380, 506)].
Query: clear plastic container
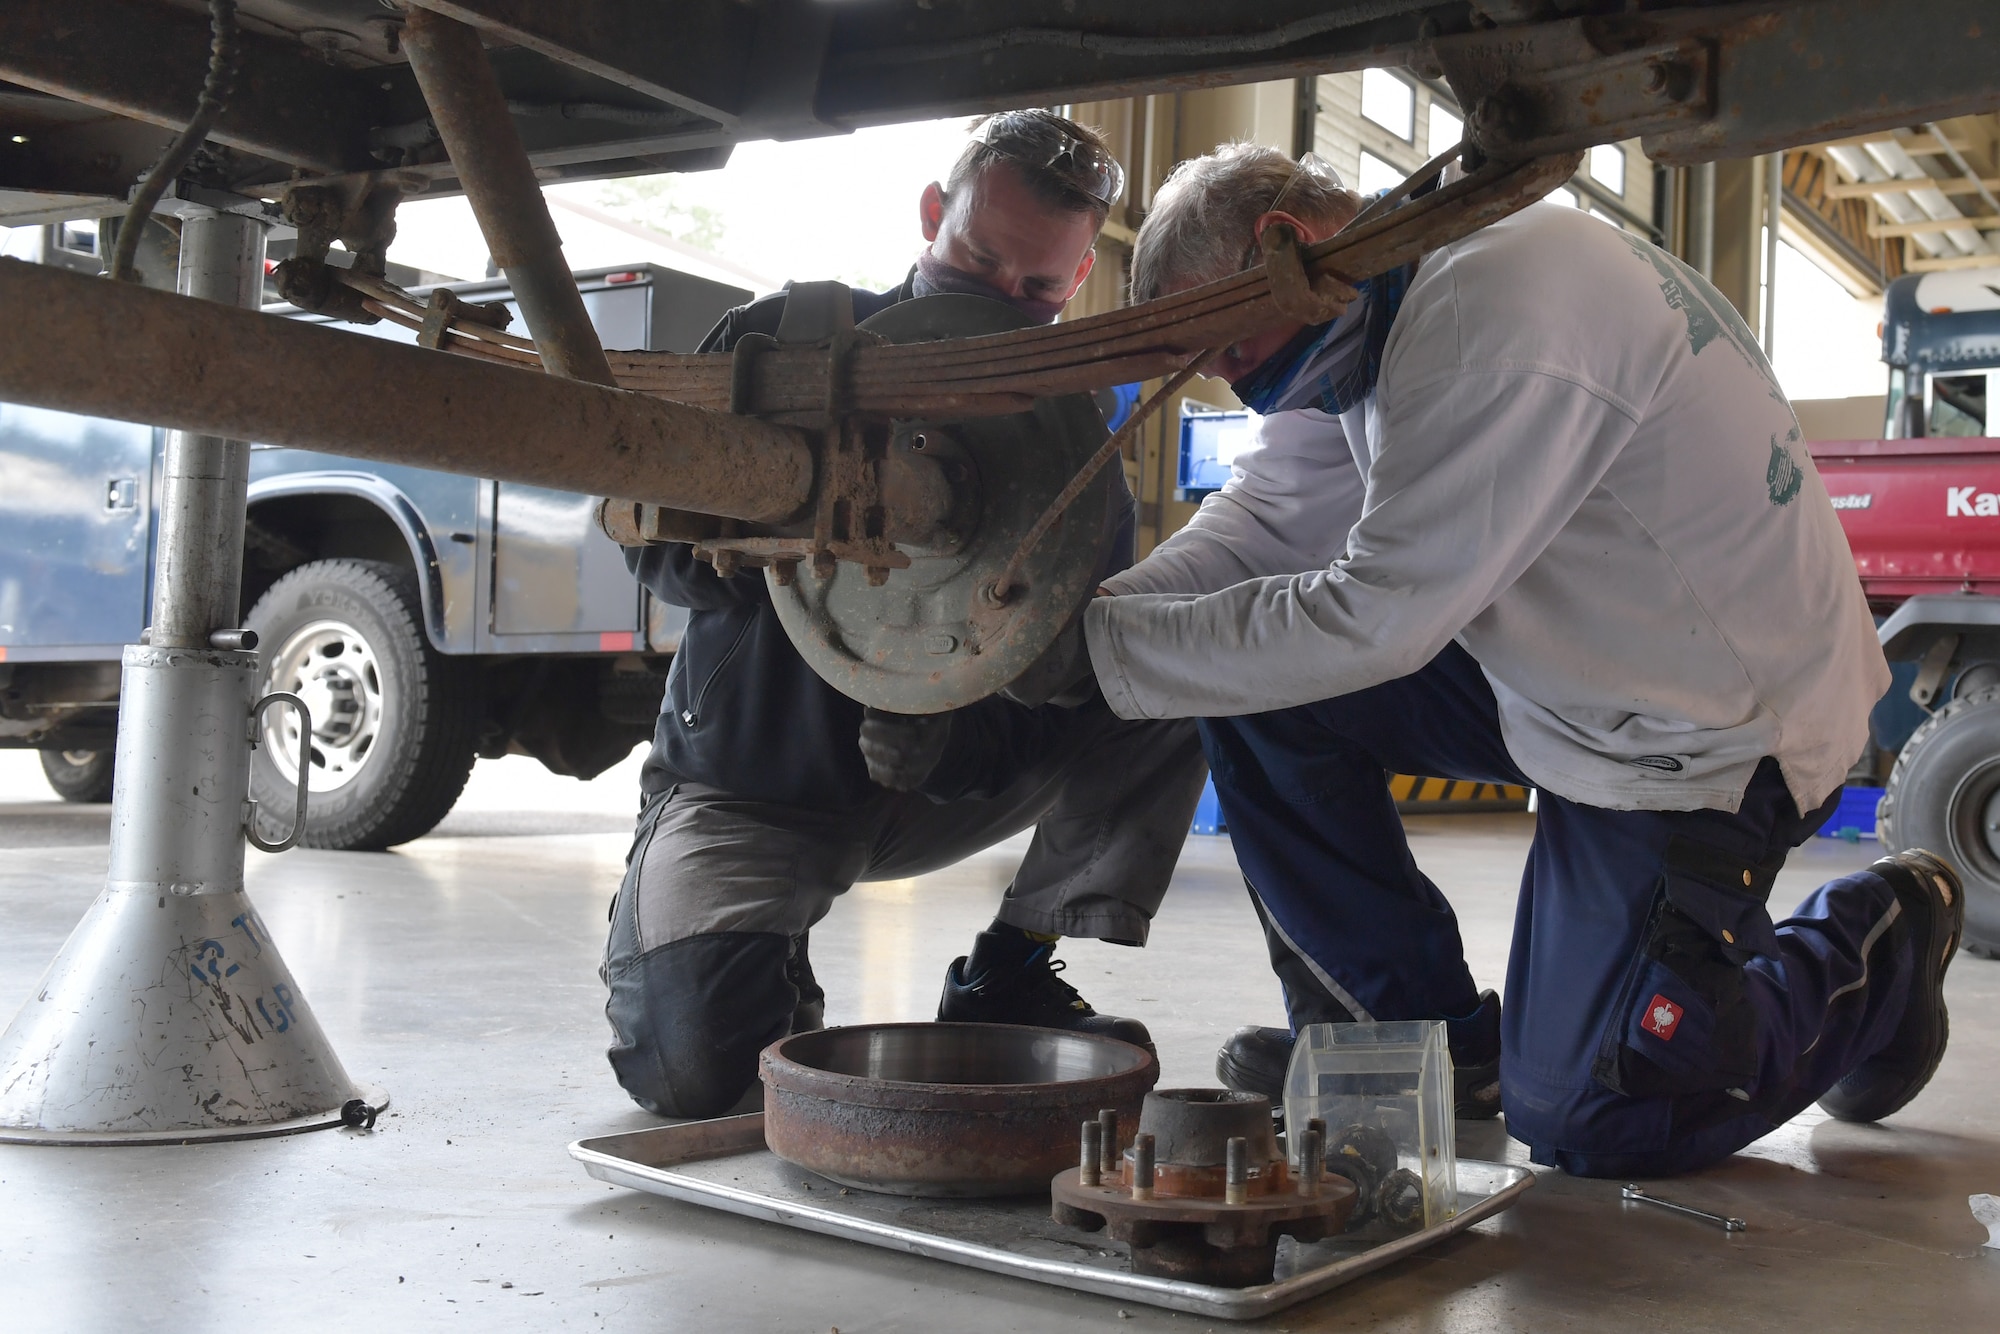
[(1385, 1094)]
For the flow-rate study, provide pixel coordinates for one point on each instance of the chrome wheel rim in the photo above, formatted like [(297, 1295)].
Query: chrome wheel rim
[(334, 670)]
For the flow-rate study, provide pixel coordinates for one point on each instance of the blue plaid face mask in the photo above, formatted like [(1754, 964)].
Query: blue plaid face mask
[(1330, 366), (1264, 389)]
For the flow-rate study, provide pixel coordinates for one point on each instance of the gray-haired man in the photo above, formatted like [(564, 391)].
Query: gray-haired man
[(1592, 557)]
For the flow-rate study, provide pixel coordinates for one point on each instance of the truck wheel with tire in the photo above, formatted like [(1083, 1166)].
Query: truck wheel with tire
[(79, 775), (1944, 795), (394, 722)]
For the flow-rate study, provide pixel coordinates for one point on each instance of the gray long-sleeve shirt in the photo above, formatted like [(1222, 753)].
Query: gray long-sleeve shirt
[(1579, 466)]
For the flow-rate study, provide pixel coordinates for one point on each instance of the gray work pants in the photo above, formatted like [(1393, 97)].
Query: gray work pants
[(706, 956)]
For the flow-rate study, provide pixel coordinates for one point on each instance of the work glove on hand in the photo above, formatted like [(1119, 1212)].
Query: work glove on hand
[(901, 749), (1062, 676)]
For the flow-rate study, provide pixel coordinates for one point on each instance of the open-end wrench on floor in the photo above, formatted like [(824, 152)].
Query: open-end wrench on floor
[(1726, 1224)]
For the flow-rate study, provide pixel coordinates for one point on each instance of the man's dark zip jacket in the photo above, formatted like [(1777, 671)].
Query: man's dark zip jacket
[(744, 713)]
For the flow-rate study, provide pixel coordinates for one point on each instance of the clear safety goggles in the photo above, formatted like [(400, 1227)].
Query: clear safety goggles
[(1033, 139)]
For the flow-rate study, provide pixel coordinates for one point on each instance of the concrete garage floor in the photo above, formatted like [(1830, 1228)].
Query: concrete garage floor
[(460, 974)]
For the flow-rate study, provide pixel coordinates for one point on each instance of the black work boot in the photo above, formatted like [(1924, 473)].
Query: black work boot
[(1011, 978), (1475, 1059), (1254, 1060), (1932, 921)]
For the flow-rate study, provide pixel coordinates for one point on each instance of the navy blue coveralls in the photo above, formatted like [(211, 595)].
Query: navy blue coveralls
[(1655, 1017)]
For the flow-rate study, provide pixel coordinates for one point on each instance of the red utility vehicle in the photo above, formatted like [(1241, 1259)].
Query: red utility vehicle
[(1922, 514)]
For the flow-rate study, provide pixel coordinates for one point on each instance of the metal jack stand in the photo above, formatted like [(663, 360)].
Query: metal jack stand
[(168, 1015)]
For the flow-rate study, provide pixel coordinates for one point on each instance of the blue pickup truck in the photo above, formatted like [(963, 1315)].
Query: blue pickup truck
[(427, 618)]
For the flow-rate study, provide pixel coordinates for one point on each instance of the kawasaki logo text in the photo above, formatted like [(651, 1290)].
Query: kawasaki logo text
[(1963, 500)]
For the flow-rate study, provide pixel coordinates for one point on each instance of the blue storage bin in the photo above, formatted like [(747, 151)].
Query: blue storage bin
[(1854, 818), (1208, 812)]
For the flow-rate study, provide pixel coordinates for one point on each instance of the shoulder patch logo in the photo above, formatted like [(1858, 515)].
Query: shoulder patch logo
[(1782, 475)]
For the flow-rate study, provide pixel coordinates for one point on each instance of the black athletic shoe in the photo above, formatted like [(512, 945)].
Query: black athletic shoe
[(1932, 920), (1002, 983), (1254, 1060), (1475, 1060)]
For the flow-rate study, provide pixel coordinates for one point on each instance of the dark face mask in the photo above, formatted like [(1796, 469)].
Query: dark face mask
[(934, 275)]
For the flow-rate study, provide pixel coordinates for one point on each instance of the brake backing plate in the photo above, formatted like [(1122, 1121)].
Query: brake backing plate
[(932, 637)]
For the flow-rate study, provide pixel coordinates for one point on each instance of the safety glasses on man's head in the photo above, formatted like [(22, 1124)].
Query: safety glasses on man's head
[(1035, 139)]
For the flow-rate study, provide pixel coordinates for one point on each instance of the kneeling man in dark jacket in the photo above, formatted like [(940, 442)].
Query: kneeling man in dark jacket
[(769, 793)]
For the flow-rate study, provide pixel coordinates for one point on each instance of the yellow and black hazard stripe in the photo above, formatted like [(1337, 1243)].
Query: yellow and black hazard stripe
[(1433, 795)]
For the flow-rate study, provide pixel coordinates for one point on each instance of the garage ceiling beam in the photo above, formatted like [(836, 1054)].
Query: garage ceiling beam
[(1911, 141), (1933, 226), (146, 61), (1944, 263), (1948, 185)]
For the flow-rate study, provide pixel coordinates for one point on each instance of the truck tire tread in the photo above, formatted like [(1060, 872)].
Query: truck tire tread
[(426, 774), (88, 783), (1900, 826)]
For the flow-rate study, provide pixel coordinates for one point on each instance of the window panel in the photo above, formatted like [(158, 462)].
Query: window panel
[(80, 237), (1958, 405), (1897, 421), (1389, 102), (1446, 129), (1607, 167), (1377, 175)]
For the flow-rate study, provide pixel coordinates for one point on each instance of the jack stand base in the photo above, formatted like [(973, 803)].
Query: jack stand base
[(167, 1018)]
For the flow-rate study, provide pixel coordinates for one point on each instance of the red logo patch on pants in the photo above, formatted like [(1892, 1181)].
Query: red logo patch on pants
[(1662, 1018)]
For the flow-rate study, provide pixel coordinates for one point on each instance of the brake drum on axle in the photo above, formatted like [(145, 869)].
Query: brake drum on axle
[(933, 636)]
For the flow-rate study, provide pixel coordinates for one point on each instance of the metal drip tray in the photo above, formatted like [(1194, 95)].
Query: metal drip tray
[(723, 1164)]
